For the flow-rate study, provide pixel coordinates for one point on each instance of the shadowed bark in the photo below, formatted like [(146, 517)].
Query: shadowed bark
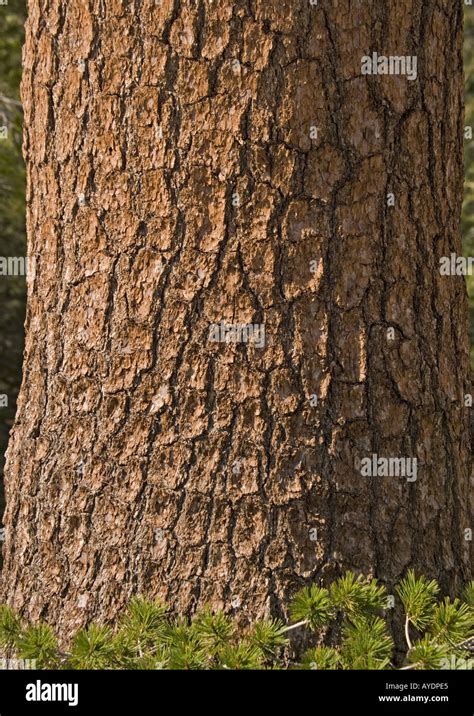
[(197, 162)]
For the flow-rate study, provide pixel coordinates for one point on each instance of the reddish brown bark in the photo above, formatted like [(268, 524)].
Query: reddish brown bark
[(174, 181)]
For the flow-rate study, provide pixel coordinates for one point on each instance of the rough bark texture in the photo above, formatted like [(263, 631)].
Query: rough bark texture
[(171, 187)]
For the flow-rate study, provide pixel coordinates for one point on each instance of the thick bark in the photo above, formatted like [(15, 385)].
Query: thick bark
[(174, 182)]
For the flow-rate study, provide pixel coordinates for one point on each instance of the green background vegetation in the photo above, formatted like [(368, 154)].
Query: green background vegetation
[(12, 214)]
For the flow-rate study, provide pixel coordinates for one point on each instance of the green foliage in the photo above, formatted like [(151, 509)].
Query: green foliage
[(39, 643), (357, 595), (321, 657), (418, 597), (426, 654), (11, 39), (12, 214), (10, 627), (366, 644), (244, 655), (143, 624), (452, 621), (468, 594), (185, 648), (92, 648), (149, 636), (215, 631), (269, 636), (312, 606)]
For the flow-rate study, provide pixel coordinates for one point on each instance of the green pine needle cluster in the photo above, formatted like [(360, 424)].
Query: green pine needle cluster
[(347, 623)]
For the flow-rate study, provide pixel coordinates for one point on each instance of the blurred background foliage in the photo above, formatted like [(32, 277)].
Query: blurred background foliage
[(12, 214), (12, 202)]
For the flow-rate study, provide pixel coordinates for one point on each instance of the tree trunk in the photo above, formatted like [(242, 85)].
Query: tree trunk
[(193, 163)]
